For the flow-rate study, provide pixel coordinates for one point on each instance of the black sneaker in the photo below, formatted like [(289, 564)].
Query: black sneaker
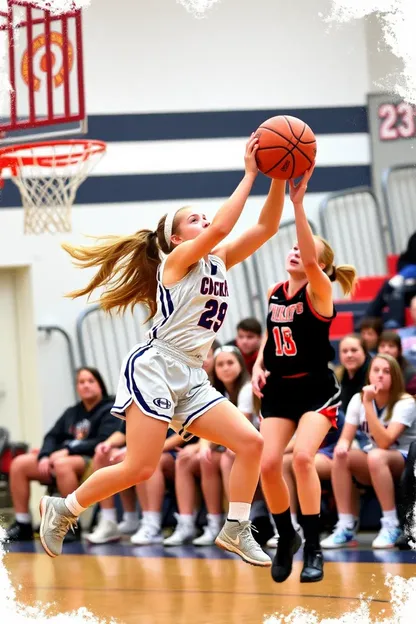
[(283, 559), (313, 565), (19, 532), (403, 542)]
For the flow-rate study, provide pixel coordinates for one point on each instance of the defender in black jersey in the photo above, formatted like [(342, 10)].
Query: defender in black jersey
[(298, 390), (296, 355)]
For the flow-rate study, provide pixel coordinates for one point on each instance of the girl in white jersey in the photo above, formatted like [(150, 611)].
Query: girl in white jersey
[(162, 382), (387, 417)]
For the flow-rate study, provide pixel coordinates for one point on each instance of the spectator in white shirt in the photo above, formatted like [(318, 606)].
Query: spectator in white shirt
[(387, 416)]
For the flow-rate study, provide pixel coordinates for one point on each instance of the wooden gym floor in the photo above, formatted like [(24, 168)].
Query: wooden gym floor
[(153, 585)]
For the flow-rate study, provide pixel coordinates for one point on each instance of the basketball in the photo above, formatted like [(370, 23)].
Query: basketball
[(287, 147)]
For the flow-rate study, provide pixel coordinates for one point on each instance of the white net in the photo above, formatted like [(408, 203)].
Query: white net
[(48, 177)]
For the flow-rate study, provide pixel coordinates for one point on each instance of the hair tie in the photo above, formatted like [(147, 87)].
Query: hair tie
[(167, 230), (333, 275)]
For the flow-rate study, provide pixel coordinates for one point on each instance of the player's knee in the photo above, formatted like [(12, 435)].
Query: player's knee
[(303, 460), (137, 474), (271, 465), (252, 445), (376, 459)]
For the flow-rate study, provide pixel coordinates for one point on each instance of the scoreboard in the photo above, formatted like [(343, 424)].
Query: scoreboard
[(392, 126)]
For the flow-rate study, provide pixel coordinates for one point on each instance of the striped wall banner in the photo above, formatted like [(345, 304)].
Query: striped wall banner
[(198, 155)]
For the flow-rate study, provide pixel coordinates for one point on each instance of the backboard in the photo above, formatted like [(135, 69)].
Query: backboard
[(41, 73)]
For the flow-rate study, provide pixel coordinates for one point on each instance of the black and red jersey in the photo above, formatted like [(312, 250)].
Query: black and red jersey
[(298, 337)]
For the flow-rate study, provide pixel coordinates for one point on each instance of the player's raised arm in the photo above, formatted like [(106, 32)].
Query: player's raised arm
[(267, 225), (319, 281), (187, 252)]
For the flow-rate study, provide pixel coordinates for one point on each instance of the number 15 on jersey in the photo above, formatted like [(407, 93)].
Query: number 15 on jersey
[(283, 340)]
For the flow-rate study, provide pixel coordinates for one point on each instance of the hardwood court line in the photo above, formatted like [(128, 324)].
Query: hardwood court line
[(202, 591)]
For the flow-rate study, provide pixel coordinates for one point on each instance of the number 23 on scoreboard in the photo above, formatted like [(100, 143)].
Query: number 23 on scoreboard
[(397, 121)]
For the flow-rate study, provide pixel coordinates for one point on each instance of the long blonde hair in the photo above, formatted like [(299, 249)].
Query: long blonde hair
[(397, 389), (127, 267), (344, 274)]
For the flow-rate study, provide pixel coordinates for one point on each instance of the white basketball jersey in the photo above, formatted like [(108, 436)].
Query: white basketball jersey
[(190, 313)]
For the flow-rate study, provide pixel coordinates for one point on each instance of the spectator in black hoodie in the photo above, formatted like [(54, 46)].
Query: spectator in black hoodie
[(397, 292), (66, 451)]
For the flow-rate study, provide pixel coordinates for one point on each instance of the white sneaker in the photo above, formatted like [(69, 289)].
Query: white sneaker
[(387, 536), (340, 537), (184, 533), (106, 531), (211, 531), (147, 534), (127, 527)]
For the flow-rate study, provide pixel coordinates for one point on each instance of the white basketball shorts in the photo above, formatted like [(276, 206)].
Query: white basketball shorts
[(164, 385)]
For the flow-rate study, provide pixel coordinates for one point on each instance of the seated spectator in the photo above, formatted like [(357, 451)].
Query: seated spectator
[(208, 364), (408, 336), (396, 292), (370, 332), (209, 462), (355, 362), (112, 451), (248, 340), (66, 451), (390, 342), (387, 416)]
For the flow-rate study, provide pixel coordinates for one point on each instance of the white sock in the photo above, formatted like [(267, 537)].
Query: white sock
[(73, 505), (391, 517), (109, 514), (154, 517), (23, 518), (346, 521), (216, 519), (186, 519), (239, 511), (294, 520)]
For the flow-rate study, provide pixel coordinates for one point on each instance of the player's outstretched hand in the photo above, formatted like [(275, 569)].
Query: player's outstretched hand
[(297, 191), (250, 155)]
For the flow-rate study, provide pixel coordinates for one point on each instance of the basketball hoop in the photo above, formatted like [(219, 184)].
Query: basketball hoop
[(48, 176)]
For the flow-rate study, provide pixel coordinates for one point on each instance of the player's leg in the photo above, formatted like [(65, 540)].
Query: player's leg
[(289, 477), (225, 425), (311, 431), (145, 440), (277, 433)]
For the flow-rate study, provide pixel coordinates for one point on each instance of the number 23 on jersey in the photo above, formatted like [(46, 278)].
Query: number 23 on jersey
[(283, 340)]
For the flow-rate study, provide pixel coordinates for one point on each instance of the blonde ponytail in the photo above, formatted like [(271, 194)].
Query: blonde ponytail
[(127, 268), (346, 276)]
